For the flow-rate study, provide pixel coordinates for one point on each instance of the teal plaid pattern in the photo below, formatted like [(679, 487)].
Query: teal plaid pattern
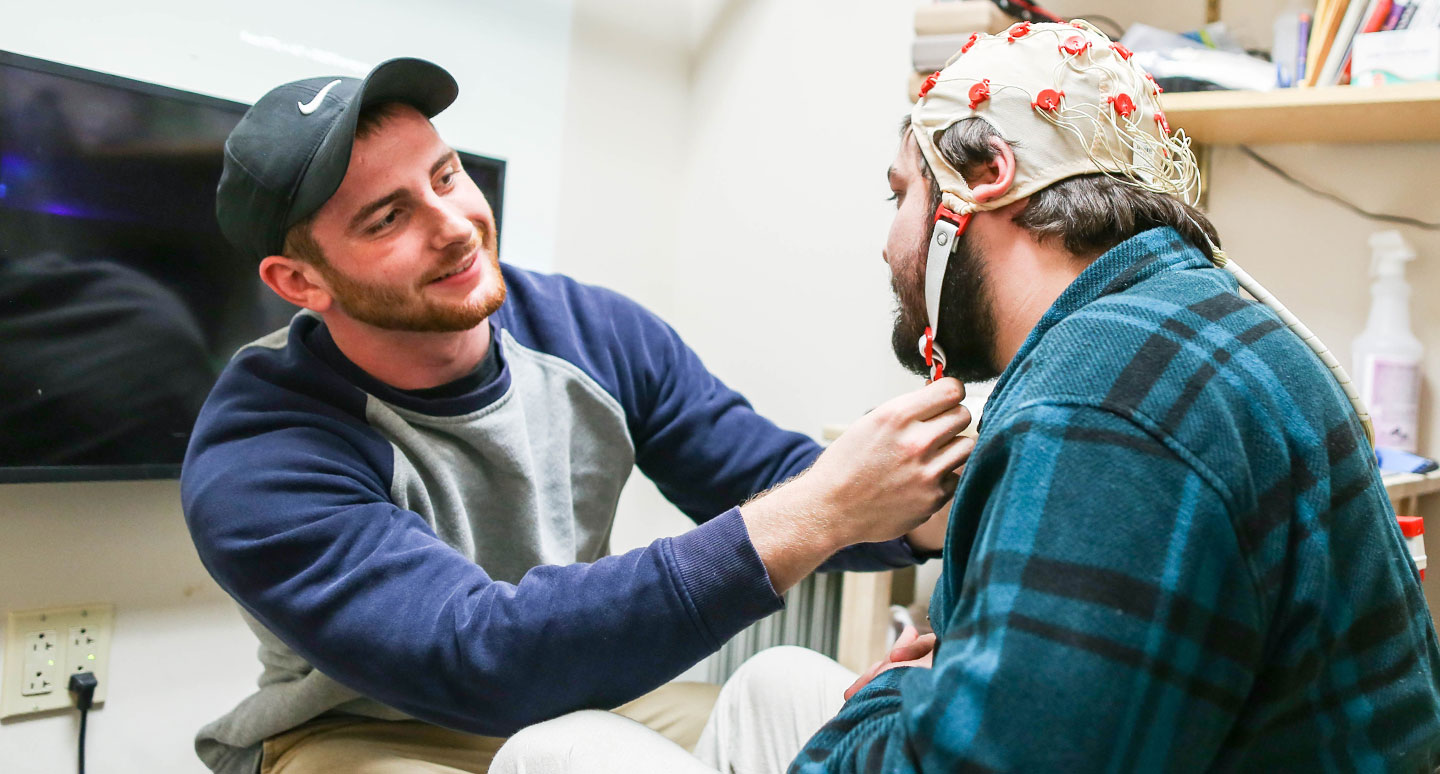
[(1170, 551)]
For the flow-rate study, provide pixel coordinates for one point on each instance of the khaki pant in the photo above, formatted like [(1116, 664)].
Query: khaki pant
[(676, 711), (766, 712)]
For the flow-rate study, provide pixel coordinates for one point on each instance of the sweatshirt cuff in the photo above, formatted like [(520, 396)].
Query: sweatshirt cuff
[(919, 554), (723, 576)]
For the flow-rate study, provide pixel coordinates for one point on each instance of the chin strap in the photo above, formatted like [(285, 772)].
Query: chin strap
[(948, 229)]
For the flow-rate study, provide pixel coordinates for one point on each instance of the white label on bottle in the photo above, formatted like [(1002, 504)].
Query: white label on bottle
[(1392, 394)]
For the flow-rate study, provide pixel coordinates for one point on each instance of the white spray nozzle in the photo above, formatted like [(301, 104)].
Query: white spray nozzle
[(1389, 252)]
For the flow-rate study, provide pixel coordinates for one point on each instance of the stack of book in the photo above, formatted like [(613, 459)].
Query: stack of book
[(942, 28), (1327, 38)]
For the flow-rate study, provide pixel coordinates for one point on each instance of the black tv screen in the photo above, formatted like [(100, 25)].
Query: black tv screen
[(120, 301)]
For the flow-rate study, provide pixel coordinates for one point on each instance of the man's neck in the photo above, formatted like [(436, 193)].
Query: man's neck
[(1025, 280), (406, 360)]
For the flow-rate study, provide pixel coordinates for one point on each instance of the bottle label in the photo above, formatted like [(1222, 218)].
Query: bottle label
[(1392, 394)]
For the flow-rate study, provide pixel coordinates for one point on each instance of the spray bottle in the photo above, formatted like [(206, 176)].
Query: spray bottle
[(1387, 354)]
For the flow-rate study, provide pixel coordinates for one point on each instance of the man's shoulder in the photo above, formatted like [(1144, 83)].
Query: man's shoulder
[(277, 383), (530, 292), (1163, 342), (560, 315), (1192, 361)]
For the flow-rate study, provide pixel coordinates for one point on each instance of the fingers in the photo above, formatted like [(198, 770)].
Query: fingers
[(916, 649), (907, 635), (928, 401), (948, 424), (953, 456)]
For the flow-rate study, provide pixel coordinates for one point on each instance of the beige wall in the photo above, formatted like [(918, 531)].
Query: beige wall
[(179, 655)]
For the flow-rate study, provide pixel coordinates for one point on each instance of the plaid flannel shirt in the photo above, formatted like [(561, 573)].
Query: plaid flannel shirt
[(1170, 551)]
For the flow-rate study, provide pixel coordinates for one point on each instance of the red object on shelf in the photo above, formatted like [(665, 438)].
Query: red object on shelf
[(1413, 528)]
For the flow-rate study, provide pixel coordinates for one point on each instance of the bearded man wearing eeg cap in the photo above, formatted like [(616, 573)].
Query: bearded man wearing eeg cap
[(1171, 549)]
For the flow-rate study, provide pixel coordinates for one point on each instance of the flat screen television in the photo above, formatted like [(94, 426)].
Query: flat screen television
[(120, 301)]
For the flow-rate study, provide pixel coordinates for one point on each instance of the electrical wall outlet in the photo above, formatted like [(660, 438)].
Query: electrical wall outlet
[(41, 662), (44, 647)]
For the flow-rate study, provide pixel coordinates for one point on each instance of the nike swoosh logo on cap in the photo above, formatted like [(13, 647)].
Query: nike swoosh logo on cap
[(306, 108)]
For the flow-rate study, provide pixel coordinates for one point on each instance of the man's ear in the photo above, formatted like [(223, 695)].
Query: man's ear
[(297, 282), (995, 176)]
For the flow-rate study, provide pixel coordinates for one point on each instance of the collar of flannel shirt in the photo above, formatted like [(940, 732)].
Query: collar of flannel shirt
[(1127, 264)]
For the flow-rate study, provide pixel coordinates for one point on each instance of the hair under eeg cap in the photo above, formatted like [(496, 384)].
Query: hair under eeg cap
[(1071, 102)]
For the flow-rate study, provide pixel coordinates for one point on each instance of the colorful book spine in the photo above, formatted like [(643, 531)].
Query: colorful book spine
[(1377, 13), (1305, 25), (1408, 16), (1392, 20)]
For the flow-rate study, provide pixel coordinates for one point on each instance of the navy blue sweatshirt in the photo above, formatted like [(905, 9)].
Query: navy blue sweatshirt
[(441, 554)]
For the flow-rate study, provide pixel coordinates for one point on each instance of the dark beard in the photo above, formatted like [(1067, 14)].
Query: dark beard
[(967, 319)]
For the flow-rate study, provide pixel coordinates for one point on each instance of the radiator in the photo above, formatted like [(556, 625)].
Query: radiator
[(810, 618)]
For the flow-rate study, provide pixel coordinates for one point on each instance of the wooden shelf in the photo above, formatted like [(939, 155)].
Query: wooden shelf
[(1408, 112), (1337, 114), (1401, 486)]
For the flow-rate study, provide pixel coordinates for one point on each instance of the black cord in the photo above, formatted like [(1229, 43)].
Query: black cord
[(82, 684), (1108, 25), (1379, 216), (83, 715), (1026, 10)]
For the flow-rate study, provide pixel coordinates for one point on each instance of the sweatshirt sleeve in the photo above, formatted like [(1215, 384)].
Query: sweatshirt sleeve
[(702, 443), (1106, 620), (290, 513)]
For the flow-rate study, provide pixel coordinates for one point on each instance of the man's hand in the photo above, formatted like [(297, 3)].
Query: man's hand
[(930, 536), (910, 650), (885, 476)]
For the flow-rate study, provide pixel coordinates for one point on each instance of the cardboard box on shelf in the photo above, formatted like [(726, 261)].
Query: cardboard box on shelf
[(1398, 56)]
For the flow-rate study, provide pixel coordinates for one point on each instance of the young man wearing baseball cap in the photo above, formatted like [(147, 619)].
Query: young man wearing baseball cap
[(409, 490), (1171, 549)]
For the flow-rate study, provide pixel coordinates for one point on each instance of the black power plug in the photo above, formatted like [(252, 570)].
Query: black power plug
[(82, 686)]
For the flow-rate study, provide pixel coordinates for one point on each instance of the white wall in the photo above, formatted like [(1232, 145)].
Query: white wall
[(625, 146), (794, 112)]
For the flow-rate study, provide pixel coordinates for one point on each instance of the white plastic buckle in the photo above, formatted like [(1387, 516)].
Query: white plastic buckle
[(947, 231)]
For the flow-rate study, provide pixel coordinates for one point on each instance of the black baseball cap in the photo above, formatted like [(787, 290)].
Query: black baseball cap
[(290, 150)]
